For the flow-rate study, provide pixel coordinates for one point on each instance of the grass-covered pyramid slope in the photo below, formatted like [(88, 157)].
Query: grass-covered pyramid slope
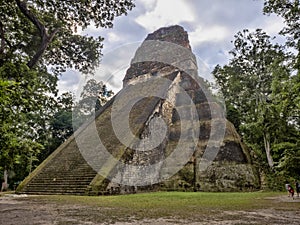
[(163, 131)]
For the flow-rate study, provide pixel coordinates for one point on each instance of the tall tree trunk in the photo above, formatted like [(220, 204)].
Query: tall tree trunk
[(268, 149), (5, 181)]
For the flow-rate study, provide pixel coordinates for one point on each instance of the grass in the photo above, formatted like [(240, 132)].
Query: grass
[(175, 205)]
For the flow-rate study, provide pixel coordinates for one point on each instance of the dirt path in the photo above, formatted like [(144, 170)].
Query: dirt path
[(29, 210)]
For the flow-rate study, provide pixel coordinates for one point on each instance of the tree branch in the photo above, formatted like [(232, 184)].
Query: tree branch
[(23, 7), (2, 36), (45, 42), (46, 39)]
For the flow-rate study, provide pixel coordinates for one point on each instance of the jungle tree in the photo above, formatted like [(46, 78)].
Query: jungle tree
[(39, 41)]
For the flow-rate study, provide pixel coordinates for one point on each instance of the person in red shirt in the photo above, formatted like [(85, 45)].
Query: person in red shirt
[(291, 191)]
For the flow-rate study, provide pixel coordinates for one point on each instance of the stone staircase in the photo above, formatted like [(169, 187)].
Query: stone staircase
[(66, 172)]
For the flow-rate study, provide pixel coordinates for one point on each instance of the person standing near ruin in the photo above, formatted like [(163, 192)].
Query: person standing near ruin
[(291, 191), (287, 185)]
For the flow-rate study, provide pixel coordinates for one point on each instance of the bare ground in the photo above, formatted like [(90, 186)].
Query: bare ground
[(30, 210)]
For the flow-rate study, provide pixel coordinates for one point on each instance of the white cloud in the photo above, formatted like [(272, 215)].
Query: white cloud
[(149, 5), (273, 25), (113, 37), (114, 64), (165, 13), (69, 81), (209, 34)]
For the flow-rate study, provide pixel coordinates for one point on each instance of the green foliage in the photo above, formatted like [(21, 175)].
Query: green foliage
[(261, 92), (289, 10), (59, 124), (246, 84), (276, 182), (45, 32), (232, 114), (35, 36), (261, 87), (187, 175), (20, 94), (290, 158)]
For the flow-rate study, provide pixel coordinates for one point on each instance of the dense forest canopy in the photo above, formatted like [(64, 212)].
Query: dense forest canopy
[(261, 85)]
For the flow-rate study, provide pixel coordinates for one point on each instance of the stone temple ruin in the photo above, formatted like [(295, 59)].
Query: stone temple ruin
[(163, 131)]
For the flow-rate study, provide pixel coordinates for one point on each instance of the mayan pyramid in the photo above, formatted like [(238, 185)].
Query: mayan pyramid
[(163, 131)]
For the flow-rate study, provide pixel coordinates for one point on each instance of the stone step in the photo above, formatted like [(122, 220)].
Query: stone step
[(70, 170), (67, 173), (53, 180), (57, 183), (61, 186), (73, 170), (41, 181), (66, 176), (53, 187), (53, 193), (56, 192), (60, 180), (70, 174), (62, 177)]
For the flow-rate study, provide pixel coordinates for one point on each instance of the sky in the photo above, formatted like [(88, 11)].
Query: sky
[(211, 26)]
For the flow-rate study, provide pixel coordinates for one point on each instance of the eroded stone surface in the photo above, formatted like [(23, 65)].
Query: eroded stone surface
[(174, 95)]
